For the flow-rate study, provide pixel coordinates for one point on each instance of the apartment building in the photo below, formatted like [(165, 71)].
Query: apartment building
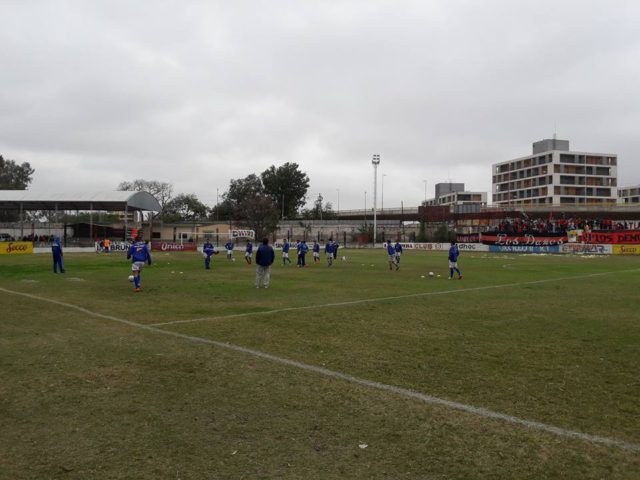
[(555, 175), (454, 195), (627, 195), (462, 198)]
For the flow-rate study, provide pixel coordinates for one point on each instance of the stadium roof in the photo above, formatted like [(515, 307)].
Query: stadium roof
[(109, 201)]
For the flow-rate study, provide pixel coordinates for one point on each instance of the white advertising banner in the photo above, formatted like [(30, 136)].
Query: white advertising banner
[(587, 248), (463, 247)]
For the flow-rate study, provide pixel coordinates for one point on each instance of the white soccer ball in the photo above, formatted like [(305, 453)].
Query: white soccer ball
[(233, 259), (431, 274), (131, 278), (344, 259)]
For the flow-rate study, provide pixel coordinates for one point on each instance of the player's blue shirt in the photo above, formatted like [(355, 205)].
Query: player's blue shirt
[(229, 246), (139, 252), (391, 249), (454, 253), (208, 249), (249, 248), (285, 247), (398, 247), (303, 248), (328, 248), (316, 247), (56, 247)]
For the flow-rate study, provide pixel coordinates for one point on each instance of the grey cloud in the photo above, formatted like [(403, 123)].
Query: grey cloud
[(198, 93)]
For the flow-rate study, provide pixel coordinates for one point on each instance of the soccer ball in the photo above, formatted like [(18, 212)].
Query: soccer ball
[(431, 274), (131, 278), (233, 259), (344, 259)]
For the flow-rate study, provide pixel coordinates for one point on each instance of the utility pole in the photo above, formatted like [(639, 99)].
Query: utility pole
[(375, 161)]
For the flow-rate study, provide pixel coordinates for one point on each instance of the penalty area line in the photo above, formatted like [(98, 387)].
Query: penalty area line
[(382, 299), (403, 392)]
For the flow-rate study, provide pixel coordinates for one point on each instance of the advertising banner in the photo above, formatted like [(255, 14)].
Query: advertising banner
[(626, 249), (463, 247), (115, 246), (15, 248), (586, 249), (613, 237), (524, 249), (243, 234), (529, 239), (174, 246)]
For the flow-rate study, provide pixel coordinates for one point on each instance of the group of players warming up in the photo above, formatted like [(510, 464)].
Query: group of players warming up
[(139, 254)]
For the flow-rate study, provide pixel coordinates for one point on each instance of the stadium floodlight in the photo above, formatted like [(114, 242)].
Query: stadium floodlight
[(375, 161)]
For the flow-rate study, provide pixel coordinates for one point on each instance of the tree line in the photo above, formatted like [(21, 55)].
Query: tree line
[(255, 201)]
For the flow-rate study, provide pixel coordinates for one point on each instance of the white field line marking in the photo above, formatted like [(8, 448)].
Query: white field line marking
[(382, 299), (404, 392)]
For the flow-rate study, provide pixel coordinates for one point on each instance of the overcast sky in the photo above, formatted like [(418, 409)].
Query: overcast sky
[(196, 93)]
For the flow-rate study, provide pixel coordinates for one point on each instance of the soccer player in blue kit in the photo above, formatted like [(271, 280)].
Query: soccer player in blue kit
[(391, 252), (229, 247), (316, 252), (398, 249), (302, 252), (328, 250), (454, 253), (208, 250), (285, 252), (248, 252), (56, 250), (139, 254)]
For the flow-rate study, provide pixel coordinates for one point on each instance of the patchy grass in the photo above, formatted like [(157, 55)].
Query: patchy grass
[(87, 397)]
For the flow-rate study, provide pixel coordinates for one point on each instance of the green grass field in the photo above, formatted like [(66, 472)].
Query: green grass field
[(100, 385)]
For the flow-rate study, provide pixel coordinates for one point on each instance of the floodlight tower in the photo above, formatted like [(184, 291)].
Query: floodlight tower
[(375, 161)]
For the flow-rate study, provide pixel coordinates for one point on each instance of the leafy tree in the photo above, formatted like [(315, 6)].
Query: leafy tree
[(259, 214), (239, 191), (14, 176), (287, 184), (163, 191), (185, 208), (249, 205)]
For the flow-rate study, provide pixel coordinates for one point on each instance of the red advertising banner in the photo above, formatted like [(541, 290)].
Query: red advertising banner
[(612, 237), (524, 239), (174, 246)]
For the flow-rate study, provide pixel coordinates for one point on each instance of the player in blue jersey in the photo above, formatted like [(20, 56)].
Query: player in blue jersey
[(229, 248), (398, 249), (328, 251), (391, 253), (56, 250), (302, 252), (454, 253), (138, 253), (208, 250), (285, 252), (316, 252), (248, 252)]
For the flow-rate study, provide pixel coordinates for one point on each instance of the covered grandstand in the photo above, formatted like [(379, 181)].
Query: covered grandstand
[(22, 201)]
